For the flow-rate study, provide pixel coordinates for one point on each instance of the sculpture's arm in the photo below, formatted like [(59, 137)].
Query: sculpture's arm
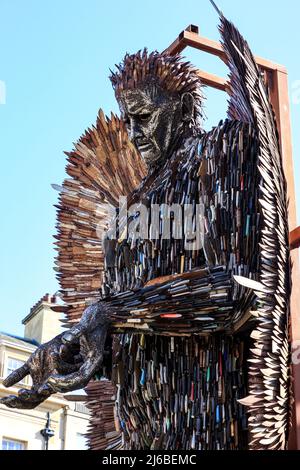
[(73, 363), (188, 303), (169, 306), (198, 300)]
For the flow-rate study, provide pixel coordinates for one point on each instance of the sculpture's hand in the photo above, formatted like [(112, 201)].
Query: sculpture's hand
[(49, 358), (65, 363), (89, 336)]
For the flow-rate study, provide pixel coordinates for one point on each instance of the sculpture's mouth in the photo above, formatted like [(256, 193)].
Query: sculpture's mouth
[(143, 145)]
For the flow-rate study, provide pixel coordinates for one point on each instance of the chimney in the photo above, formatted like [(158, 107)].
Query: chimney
[(42, 323)]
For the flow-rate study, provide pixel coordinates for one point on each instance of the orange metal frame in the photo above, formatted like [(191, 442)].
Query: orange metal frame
[(277, 79)]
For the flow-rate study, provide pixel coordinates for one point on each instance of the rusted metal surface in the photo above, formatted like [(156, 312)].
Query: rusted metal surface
[(190, 38), (295, 239)]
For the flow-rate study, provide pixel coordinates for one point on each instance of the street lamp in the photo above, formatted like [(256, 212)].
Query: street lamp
[(47, 432)]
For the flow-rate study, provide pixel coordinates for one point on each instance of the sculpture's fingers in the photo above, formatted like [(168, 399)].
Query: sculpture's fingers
[(26, 394), (76, 380), (45, 390), (78, 359), (16, 376), (32, 395), (60, 366), (65, 368), (66, 354), (13, 401), (86, 321), (93, 317), (74, 334)]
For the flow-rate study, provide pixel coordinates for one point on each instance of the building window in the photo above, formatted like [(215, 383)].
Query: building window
[(12, 444), (13, 364), (80, 408)]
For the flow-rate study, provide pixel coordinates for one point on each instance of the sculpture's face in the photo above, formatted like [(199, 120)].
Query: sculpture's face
[(153, 120)]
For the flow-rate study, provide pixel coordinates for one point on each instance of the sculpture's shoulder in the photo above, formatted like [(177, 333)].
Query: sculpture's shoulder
[(228, 137), (229, 128)]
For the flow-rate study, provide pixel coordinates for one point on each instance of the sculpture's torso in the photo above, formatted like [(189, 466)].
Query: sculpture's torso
[(181, 392)]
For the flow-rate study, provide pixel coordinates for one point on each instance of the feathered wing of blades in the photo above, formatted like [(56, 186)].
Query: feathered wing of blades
[(269, 399), (103, 166), (103, 430)]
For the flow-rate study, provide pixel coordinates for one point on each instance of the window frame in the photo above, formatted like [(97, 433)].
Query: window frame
[(9, 370), (13, 441)]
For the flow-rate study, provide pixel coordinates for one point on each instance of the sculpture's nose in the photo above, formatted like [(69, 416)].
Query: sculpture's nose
[(135, 130)]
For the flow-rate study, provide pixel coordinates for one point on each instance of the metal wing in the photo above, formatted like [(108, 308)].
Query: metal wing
[(269, 362), (103, 166)]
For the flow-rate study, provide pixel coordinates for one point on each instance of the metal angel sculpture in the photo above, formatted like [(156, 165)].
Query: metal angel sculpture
[(193, 334)]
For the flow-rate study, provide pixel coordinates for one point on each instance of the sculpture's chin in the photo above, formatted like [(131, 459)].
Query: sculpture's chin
[(150, 158)]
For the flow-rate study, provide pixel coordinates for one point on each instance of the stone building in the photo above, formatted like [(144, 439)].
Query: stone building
[(21, 429)]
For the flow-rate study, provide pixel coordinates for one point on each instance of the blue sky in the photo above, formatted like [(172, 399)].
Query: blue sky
[(54, 65)]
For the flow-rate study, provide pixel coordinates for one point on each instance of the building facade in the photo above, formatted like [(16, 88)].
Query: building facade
[(21, 429)]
